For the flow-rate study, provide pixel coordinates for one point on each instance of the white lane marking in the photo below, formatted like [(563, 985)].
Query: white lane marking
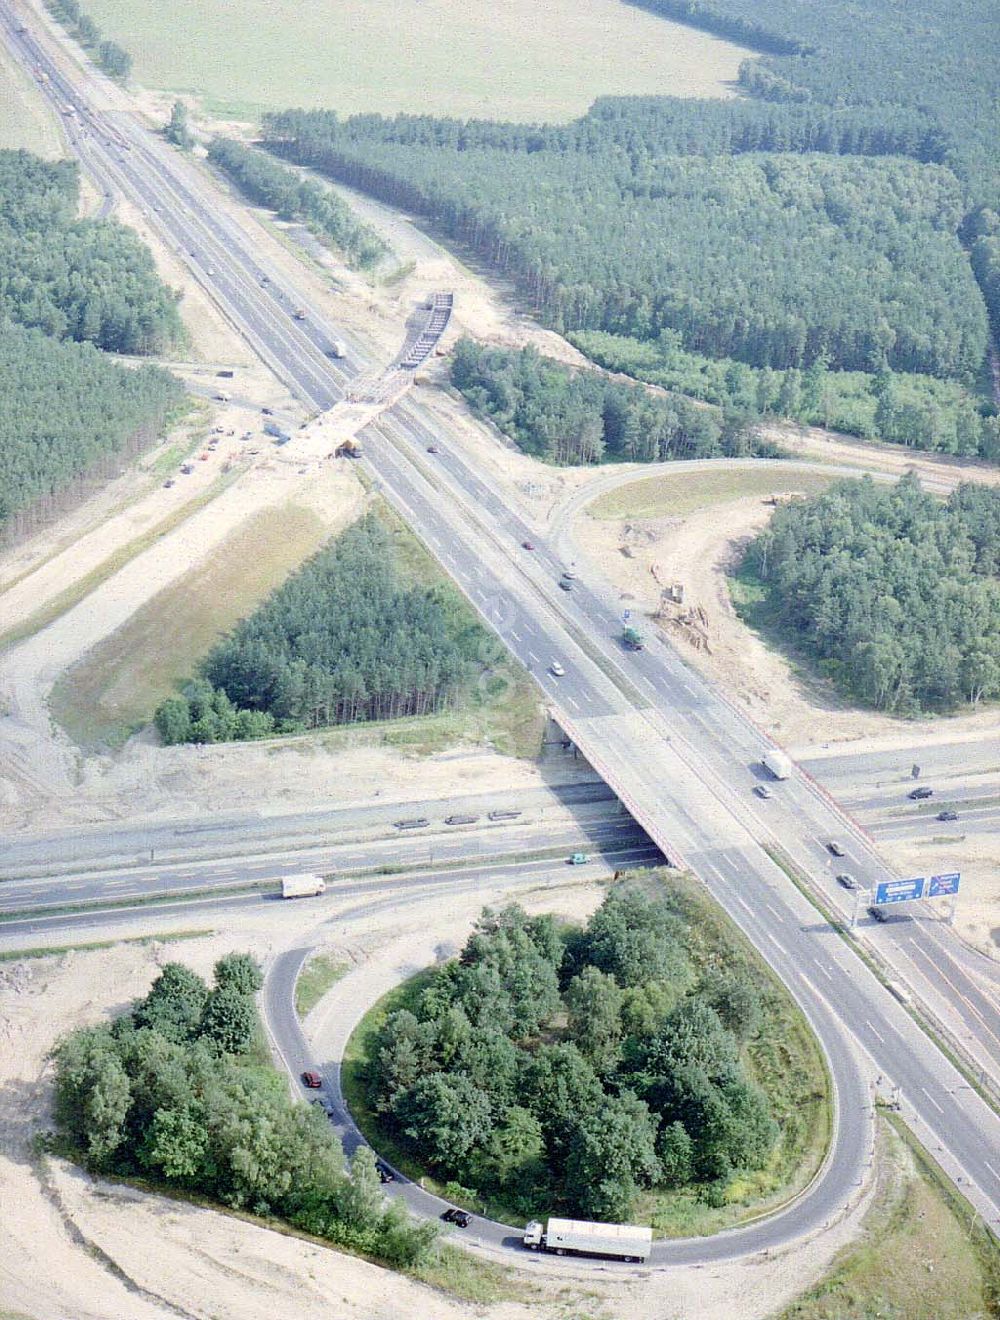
[(826, 971), (514, 635), (874, 1032), (774, 941), (932, 1100), (774, 911), (572, 703), (991, 1169), (743, 903), (532, 657)]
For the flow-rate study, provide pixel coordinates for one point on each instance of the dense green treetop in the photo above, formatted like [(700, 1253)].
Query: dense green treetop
[(897, 592), (529, 1066)]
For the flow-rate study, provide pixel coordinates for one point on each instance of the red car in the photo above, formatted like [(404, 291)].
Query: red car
[(312, 1080)]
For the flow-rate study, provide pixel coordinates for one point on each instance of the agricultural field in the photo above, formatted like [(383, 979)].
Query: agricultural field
[(441, 57), (25, 120)]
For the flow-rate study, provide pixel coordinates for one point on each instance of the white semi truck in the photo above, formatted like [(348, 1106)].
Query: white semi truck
[(563, 1236), (778, 763), (302, 886)]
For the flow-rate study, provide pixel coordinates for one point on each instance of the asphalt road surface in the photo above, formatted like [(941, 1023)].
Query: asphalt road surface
[(674, 749)]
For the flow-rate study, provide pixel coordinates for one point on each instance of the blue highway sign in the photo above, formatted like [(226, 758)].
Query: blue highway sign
[(899, 891), (944, 884)]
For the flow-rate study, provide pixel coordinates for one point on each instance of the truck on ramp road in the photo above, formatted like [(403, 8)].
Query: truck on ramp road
[(580, 1237)]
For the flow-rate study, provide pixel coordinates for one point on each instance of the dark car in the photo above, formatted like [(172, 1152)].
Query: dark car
[(385, 1174), (325, 1105), (877, 913), (268, 412), (947, 815), (461, 1218), (169, 482), (433, 449), (762, 791), (834, 847), (916, 794), (566, 584), (527, 545), (416, 823), (848, 881), (312, 1080)]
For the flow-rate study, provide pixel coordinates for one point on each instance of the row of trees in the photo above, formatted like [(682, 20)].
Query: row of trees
[(171, 1091), (70, 415), (568, 1067), (645, 127), (775, 260), (113, 59), (284, 190), (569, 416), (349, 637), (919, 411), (897, 593)]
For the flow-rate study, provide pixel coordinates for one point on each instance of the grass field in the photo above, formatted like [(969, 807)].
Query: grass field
[(315, 979), (116, 686), (470, 58), (687, 492), (25, 120), (921, 1255)]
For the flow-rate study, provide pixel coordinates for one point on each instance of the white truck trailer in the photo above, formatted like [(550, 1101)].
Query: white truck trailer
[(578, 1236), (778, 763), (302, 886)]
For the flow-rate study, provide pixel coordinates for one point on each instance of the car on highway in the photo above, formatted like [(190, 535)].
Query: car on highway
[(527, 545), (169, 482), (385, 1174), (556, 668), (762, 791), (267, 412), (415, 823), (947, 815), (460, 1218), (325, 1105), (566, 584), (918, 794), (433, 449), (848, 881), (876, 913), (568, 574), (210, 273), (834, 847), (578, 858), (312, 1080), (460, 820)]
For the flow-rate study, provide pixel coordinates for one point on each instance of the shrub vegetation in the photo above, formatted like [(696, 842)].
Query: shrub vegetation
[(173, 1091), (897, 593), (564, 1069)]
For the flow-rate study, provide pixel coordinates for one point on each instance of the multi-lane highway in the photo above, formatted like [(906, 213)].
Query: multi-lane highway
[(673, 748)]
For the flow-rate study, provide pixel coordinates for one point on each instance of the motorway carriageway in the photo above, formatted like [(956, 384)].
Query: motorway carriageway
[(684, 778), (398, 852), (491, 879)]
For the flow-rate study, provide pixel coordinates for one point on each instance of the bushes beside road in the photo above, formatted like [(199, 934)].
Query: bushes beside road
[(176, 1091), (268, 183)]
